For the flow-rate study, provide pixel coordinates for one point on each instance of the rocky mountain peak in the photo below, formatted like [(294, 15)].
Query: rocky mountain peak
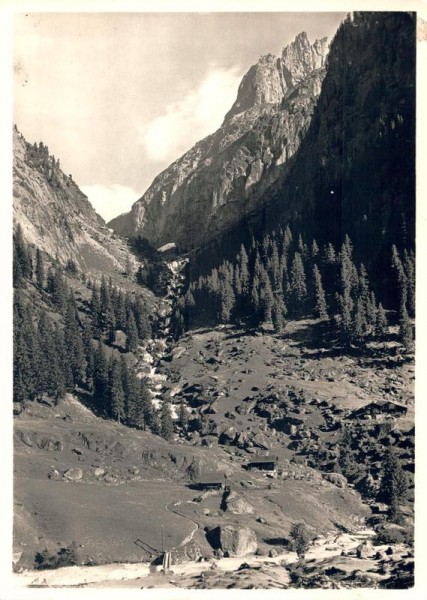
[(271, 78)]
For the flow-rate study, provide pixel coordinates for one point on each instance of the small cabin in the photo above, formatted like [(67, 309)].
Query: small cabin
[(378, 409), (210, 485), (265, 464)]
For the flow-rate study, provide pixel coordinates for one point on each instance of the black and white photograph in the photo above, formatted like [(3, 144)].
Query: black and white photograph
[(212, 274)]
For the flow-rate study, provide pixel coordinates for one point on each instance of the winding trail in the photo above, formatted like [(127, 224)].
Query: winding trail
[(190, 536)]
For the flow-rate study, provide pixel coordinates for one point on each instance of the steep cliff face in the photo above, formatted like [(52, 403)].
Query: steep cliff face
[(354, 171), (56, 216), (219, 181)]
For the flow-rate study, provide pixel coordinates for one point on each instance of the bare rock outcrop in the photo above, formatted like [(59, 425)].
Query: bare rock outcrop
[(214, 184)]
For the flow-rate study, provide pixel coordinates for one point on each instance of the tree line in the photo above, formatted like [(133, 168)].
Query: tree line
[(58, 349), (281, 277)]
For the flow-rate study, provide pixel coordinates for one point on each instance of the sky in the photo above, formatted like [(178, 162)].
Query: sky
[(117, 97)]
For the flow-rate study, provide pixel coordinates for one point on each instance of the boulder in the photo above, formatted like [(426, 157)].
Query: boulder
[(99, 471), (227, 436), (261, 441), (237, 541), (336, 479), (237, 505), (73, 474)]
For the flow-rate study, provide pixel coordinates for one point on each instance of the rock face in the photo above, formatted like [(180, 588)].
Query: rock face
[(219, 180), (56, 216)]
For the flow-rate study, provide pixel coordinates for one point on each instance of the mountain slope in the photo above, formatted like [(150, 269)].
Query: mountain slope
[(354, 171), (219, 180), (57, 217)]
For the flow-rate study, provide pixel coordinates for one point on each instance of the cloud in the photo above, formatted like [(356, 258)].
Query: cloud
[(198, 114), (110, 200)]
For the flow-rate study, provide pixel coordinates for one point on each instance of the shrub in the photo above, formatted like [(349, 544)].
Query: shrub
[(65, 557)]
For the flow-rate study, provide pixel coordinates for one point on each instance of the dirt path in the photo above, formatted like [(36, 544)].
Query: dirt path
[(190, 536)]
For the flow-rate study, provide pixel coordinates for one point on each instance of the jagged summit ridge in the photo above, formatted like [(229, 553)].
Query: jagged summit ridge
[(220, 180), (272, 78)]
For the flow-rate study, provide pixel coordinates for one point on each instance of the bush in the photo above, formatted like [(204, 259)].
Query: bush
[(65, 557), (394, 535), (300, 538)]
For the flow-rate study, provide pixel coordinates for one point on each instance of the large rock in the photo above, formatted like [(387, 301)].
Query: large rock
[(73, 474), (236, 541), (237, 505), (227, 436), (336, 478)]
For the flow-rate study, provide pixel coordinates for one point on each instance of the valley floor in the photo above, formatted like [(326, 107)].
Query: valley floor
[(113, 491)]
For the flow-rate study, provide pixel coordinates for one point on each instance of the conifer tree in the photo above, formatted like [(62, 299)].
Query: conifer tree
[(49, 366), (266, 296), (131, 333), (320, 307), (40, 270), (73, 341), (381, 322), (22, 254), (278, 313), (57, 287), (100, 378), (409, 266), (226, 293), (141, 319), (244, 271), (25, 351), (394, 484), (166, 422), (89, 352), (116, 396), (400, 277), (298, 286), (405, 328)]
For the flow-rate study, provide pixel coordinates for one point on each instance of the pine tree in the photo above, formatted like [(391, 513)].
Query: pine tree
[(49, 371), (116, 396), (89, 354), (278, 313), (131, 333), (320, 308), (406, 336), (265, 296), (359, 326), (100, 378), (57, 287), (40, 270), (106, 314), (409, 266), (25, 352), (400, 277), (166, 422), (226, 293), (73, 341), (244, 271), (22, 254), (394, 484), (298, 287), (141, 319), (381, 323)]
